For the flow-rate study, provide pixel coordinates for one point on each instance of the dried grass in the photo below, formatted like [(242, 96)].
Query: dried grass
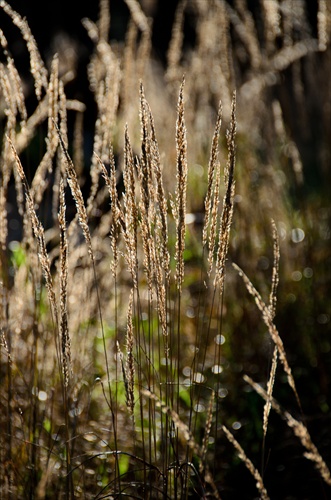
[(272, 308), (37, 67), (213, 173), (77, 195), (176, 44), (64, 332), (267, 318), (227, 211), (130, 364), (39, 234), (143, 318), (242, 455), (179, 424), (131, 211), (299, 429), (179, 207)]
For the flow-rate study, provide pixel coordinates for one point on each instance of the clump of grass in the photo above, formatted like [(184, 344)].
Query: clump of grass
[(116, 333)]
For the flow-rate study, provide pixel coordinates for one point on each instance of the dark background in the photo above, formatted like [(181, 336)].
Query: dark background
[(48, 20)]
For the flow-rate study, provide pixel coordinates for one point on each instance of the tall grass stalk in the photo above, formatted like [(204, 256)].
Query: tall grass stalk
[(300, 431)]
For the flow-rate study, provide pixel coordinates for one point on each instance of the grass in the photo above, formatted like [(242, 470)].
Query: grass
[(133, 362)]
